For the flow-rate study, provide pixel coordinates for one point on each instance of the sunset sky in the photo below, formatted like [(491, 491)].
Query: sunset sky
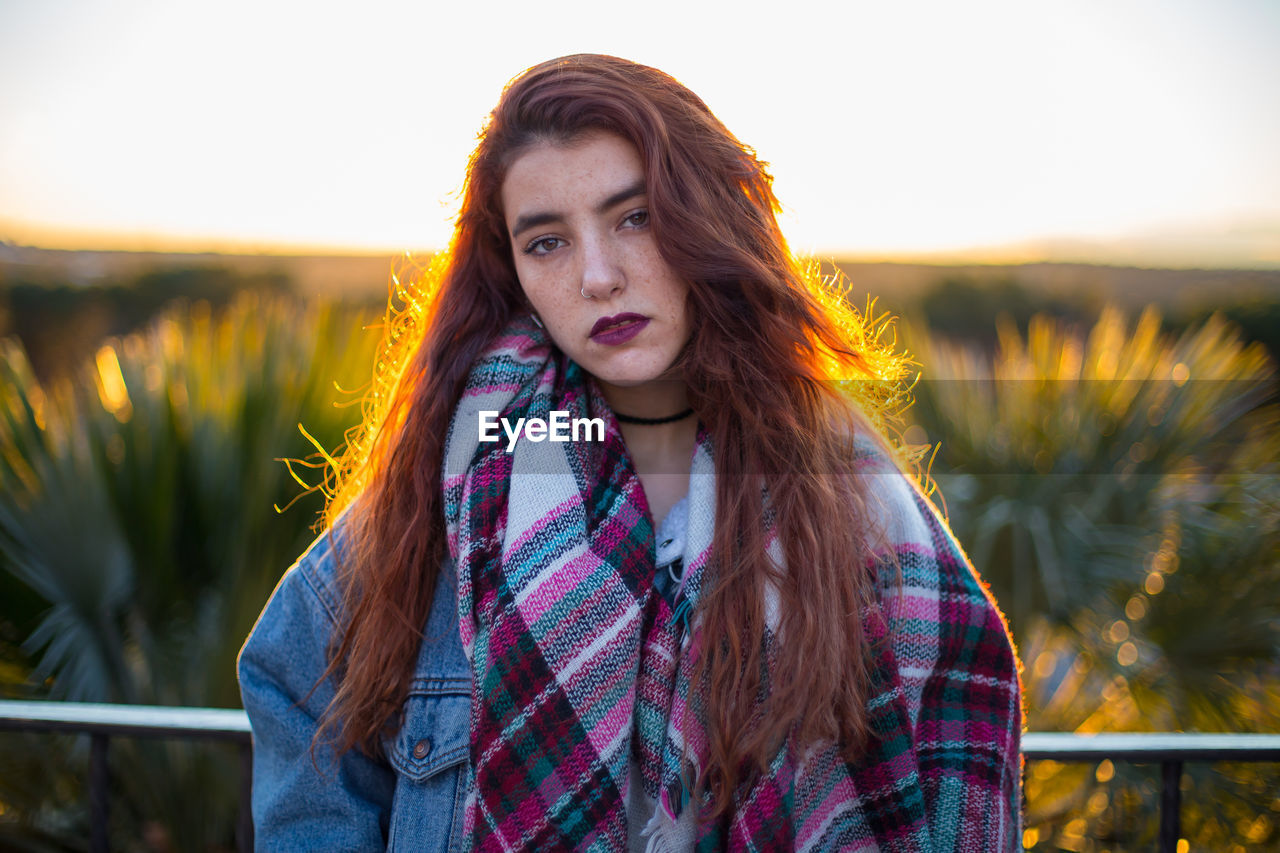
[(1134, 131)]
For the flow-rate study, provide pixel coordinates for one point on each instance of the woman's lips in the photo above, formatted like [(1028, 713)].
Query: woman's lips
[(613, 331)]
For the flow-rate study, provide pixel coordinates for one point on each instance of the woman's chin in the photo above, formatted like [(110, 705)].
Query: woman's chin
[(623, 373), (635, 379)]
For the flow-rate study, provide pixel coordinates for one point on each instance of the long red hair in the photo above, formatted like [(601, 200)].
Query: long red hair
[(768, 339)]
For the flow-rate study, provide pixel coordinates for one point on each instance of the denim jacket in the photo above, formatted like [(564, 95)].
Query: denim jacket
[(410, 797)]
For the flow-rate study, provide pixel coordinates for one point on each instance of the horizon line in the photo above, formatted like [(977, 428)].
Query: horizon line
[(1114, 253)]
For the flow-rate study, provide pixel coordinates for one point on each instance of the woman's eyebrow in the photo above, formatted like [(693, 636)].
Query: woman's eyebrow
[(638, 188), (532, 220), (546, 217)]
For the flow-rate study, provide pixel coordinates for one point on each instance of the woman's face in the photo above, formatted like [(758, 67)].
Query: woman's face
[(578, 218)]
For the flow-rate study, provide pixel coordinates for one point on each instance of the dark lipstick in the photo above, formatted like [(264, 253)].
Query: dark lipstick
[(617, 330)]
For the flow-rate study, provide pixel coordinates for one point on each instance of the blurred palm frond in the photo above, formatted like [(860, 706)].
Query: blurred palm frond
[(138, 503)]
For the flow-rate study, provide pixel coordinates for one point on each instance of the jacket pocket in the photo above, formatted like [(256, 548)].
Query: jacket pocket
[(435, 733), (429, 755)]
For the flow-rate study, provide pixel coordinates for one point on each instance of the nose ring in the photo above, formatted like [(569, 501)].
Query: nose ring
[(583, 291)]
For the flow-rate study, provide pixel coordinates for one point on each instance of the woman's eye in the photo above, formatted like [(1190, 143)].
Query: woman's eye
[(639, 219), (542, 246)]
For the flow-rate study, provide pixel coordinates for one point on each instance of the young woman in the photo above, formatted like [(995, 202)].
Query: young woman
[(621, 560)]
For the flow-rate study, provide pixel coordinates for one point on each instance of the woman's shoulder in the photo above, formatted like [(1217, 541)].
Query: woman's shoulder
[(308, 608), (928, 557), (317, 570), (897, 507), (293, 629), (290, 639)]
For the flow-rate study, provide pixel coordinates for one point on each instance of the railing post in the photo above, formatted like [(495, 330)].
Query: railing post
[(1170, 805), (244, 819), (98, 786)]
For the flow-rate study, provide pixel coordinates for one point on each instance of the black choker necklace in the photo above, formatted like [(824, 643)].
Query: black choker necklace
[(628, 419)]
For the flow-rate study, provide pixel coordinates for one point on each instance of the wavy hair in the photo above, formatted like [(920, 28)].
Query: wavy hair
[(769, 337)]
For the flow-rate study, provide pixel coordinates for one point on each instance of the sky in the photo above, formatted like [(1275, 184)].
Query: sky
[(1131, 131)]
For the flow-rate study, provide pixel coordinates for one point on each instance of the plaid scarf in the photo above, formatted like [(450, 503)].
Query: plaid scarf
[(580, 667)]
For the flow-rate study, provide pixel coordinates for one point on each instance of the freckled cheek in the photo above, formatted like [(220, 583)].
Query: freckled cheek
[(540, 292), (546, 293)]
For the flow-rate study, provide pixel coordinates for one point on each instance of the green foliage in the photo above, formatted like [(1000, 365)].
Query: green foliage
[(138, 503), (1120, 491)]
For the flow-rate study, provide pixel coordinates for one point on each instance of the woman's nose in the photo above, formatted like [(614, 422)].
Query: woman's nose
[(602, 274)]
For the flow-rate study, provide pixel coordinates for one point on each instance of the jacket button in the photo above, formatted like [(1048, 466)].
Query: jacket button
[(421, 748)]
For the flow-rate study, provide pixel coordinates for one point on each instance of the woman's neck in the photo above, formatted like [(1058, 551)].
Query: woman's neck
[(662, 453), (660, 398)]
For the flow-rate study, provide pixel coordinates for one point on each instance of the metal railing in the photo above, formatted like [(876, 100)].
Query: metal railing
[(1168, 749), (103, 722)]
